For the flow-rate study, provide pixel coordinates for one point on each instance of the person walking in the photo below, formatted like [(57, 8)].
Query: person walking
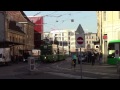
[(100, 58), (89, 57), (74, 58), (93, 59)]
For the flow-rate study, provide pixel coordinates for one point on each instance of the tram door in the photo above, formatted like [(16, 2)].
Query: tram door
[(117, 50)]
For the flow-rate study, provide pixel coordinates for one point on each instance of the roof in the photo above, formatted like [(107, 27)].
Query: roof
[(115, 41), (18, 16), (26, 17)]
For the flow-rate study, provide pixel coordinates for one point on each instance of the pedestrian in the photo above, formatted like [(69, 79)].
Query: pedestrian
[(93, 59), (12, 58), (89, 57), (16, 59), (74, 58), (100, 58)]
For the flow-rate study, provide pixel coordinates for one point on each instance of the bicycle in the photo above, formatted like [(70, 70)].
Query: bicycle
[(73, 64)]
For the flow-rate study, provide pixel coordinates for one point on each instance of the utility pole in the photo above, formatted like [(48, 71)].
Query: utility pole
[(101, 33)]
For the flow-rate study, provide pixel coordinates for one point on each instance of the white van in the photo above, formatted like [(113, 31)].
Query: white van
[(5, 55)]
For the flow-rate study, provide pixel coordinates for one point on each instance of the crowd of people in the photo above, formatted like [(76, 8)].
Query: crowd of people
[(89, 57)]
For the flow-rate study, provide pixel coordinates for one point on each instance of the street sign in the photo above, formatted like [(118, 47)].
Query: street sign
[(80, 37), (80, 41), (31, 62)]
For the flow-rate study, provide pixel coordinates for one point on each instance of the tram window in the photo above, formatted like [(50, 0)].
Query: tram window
[(111, 51), (111, 47)]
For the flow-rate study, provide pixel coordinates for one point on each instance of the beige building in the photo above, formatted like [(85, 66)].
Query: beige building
[(90, 38), (108, 29), (68, 37), (66, 40)]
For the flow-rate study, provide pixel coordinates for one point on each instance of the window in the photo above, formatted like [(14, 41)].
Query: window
[(89, 41), (92, 37), (111, 50), (68, 38), (62, 34), (89, 37), (63, 39), (69, 33), (104, 15)]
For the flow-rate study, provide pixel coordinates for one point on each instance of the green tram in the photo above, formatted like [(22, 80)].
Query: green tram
[(113, 52)]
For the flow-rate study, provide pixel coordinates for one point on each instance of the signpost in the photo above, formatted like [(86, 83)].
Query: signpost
[(80, 43), (31, 62)]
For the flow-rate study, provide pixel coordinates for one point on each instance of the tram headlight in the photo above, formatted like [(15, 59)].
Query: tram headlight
[(45, 57)]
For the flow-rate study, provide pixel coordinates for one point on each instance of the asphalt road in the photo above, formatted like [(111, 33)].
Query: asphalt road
[(58, 70)]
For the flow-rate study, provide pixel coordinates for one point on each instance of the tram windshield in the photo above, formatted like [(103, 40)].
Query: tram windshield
[(111, 50)]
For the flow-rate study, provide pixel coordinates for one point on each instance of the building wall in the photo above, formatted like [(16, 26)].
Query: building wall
[(99, 29), (110, 27), (89, 39), (29, 37), (2, 27), (17, 36), (69, 36), (64, 36)]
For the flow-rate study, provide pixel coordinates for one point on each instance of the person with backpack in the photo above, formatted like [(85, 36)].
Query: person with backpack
[(74, 58)]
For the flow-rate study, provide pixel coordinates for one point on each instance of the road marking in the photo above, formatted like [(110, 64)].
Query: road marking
[(69, 75)]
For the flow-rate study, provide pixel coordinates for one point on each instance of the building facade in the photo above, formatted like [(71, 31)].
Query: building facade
[(66, 40), (90, 38), (16, 32), (108, 28), (38, 30)]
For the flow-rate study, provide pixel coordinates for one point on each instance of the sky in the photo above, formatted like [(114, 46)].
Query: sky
[(62, 20)]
